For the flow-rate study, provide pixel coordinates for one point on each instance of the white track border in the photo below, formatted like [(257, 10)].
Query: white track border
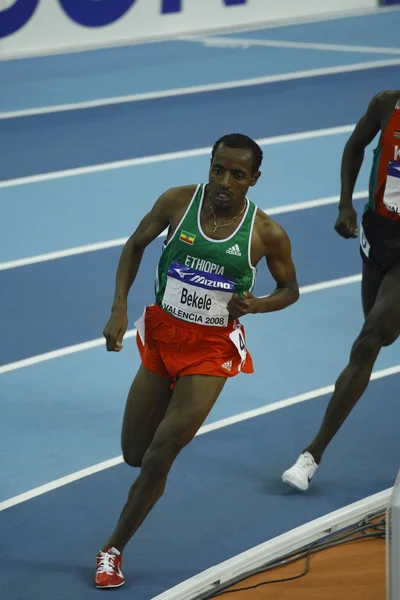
[(277, 547)]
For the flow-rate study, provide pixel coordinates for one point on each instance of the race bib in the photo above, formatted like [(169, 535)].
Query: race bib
[(365, 247), (238, 339), (391, 198), (197, 296)]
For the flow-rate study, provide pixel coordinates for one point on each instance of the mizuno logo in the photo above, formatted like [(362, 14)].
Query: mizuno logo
[(182, 274), (224, 285)]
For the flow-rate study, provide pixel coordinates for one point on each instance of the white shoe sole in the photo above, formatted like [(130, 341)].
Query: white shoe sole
[(294, 483), (109, 587)]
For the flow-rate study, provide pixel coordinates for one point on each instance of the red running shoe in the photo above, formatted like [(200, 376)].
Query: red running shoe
[(108, 573)]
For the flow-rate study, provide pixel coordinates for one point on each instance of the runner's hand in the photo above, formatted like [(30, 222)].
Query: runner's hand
[(115, 330), (238, 306), (346, 223)]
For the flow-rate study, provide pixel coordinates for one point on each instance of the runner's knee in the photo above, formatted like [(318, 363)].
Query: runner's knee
[(158, 459), (133, 456), (373, 336), (390, 338)]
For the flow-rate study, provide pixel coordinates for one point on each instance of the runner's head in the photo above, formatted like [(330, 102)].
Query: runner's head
[(235, 164)]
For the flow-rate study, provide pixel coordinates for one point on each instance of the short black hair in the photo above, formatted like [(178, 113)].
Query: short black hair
[(238, 140)]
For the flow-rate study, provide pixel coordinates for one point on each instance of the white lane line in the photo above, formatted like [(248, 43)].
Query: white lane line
[(325, 285), (275, 210), (199, 89), (34, 360), (226, 42), (250, 414), (263, 410), (156, 158), (31, 260)]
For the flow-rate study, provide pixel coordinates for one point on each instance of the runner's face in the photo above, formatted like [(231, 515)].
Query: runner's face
[(231, 175)]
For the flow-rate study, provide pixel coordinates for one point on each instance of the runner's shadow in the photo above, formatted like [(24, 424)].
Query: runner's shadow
[(275, 487), (76, 573)]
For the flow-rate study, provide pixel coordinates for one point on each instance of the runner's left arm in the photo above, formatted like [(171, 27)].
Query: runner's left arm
[(281, 266), (278, 253)]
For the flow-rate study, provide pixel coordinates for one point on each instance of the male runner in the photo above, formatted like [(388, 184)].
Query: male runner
[(380, 250), (190, 340)]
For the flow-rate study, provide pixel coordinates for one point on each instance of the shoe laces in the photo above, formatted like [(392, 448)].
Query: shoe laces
[(107, 563), (305, 461)]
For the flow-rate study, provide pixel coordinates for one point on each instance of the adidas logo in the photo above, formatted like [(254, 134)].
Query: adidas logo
[(227, 365), (235, 250)]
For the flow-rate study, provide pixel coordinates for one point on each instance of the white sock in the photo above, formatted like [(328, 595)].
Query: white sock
[(112, 551)]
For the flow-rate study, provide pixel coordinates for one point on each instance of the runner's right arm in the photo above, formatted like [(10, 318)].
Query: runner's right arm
[(353, 155), (150, 227)]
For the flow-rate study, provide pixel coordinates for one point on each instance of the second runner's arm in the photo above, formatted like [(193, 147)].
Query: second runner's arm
[(353, 155)]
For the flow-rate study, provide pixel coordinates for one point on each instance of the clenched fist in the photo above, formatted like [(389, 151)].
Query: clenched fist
[(238, 307), (115, 330)]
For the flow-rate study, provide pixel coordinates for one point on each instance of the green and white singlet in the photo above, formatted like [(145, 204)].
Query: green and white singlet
[(196, 275)]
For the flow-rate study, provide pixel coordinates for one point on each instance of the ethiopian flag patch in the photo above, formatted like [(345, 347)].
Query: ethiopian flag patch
[(187, 237)]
